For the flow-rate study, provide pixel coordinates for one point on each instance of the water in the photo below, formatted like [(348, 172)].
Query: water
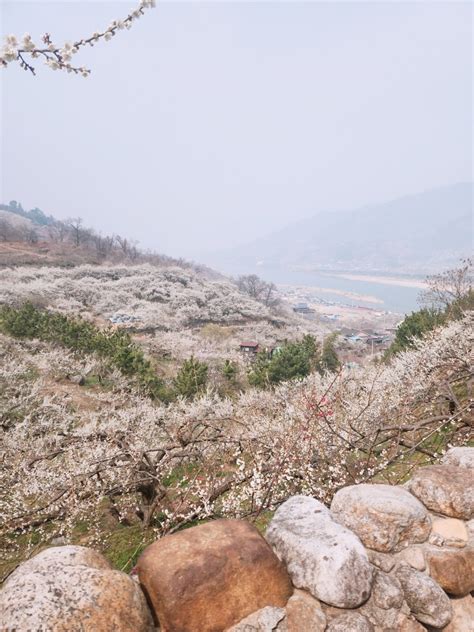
[(394, 298)]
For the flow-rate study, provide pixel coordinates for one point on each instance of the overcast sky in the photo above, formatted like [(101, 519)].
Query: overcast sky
[(209, 124)]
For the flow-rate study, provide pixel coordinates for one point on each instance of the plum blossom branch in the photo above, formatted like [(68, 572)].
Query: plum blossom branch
[(60, 57)]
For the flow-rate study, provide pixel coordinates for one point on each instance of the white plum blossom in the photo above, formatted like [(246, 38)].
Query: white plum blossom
[(58, 57)]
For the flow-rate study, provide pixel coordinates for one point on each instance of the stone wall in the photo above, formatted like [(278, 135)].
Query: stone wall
[(381, 558)]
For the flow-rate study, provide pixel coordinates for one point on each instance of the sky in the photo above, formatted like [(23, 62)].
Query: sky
[(209, 124)]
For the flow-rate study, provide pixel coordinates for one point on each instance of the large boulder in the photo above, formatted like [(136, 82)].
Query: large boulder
[(321, 555), (72, 598), (264, 620), (462, 457), (452, 569), (303, 612), (386, 518), (212, 576), (426, 600), (350, 622), (70, 555), (445, 489), (463, 615)]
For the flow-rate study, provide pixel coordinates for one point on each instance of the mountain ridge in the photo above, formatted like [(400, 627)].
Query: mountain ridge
[(420, 233)]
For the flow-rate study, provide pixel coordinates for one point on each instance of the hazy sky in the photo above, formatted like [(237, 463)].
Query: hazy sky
[(210, 123)]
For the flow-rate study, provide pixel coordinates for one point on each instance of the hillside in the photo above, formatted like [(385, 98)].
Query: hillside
[(415, 234)]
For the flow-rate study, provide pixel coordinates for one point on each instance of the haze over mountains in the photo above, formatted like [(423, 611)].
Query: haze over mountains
[(416, 234)]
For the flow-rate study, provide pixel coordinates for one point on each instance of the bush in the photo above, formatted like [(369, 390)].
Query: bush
[(80, 335), (415, 326), (293, 360), (328, 362), (191, 378)]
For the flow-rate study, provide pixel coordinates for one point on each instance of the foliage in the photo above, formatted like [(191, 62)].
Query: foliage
[(191, 378), (80, 335), (450, 295), (328, 362), (291, 361), (36, 215), (414, 326), (230, 370)]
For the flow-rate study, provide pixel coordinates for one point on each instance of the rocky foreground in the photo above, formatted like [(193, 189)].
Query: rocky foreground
[(381, 558)]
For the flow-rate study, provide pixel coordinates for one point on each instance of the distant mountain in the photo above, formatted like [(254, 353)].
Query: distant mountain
[(413, 234)]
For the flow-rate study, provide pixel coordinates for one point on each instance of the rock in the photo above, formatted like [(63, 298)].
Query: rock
[(383, 609), (321, 555), (426, 600), (462, 457), (463, 615), (264, 620), (413, 556), (387, 591), (73, 598), (69, 555), (303, 612), (350, 622), (386, 518), (452, 569), (408, 624), (450, 532), (445, 489), (383, 561), (212, 576)]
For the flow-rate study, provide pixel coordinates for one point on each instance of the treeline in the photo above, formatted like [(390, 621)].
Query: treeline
[(78, 239)]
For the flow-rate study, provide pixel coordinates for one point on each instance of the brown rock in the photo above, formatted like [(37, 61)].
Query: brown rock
[(445, 489), (74, 599), (463, 615), (210, 577), (451, 532), (382, 561), (452, 569), (303, 612), (350, 622)]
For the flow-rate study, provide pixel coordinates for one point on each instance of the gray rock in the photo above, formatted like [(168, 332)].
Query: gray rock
[(77, 379), (462, 457), (445, 489), (321, 555), (74, 598), (428, 603), (263, 620), (70, 555), (387, 591), (350, 622), (382, 561), (386, 518)]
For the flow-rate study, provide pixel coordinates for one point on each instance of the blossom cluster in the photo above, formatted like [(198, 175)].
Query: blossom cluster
[(60, 57)]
